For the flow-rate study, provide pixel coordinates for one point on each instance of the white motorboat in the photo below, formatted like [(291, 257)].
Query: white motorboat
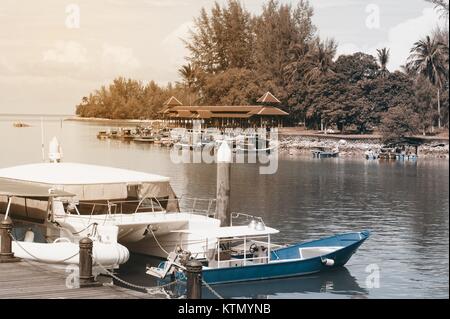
[(135, 209)]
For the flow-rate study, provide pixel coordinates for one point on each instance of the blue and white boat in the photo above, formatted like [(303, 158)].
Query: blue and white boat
[(245, 253)]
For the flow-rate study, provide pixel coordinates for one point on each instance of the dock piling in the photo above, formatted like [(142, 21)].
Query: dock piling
[(6, 254), (194, 279), (86, 277), (224, 158)]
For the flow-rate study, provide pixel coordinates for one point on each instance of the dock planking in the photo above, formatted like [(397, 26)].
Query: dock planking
[(32, 280)]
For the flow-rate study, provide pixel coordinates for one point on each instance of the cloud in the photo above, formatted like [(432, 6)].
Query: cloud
[(174, 46), (167, 3), (400, 38), (119, 56), (320, 4), (5, 66), (66, 52)]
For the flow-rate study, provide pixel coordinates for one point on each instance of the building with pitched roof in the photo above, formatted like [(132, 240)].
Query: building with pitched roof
[(263, 115)]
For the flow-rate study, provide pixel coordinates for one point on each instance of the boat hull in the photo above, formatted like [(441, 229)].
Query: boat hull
[(286, 267)]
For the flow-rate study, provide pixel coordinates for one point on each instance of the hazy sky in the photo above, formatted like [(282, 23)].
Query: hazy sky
[(49, 59)]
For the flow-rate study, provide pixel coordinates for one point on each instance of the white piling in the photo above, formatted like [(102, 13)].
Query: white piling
[(224, 158)]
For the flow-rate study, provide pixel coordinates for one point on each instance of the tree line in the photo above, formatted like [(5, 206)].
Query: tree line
[(234, 57)]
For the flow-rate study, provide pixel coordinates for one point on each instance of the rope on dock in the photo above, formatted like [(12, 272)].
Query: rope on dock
[(150, 290), (157, 242), (87, 227), (37, 258), (215, 293)]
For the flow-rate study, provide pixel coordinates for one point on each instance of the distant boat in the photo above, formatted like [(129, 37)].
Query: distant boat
[(371, 155), (21, 124), (144, 139), (126, 134), (406, 157), (323, 153), (113, 134), (102, 134)]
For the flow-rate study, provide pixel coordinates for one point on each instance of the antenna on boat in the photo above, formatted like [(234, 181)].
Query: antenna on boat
[(42, 139)]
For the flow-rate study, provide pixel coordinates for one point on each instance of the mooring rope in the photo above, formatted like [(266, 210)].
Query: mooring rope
[(157, 242), (148, 289), (91, 224), (215, 293)]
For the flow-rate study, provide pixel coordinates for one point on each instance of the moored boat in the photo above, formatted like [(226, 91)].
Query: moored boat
[(324, 153), (260, 260)]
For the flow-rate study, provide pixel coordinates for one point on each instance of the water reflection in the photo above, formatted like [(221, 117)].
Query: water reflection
[(334, 283), (338, 281), (404, 204)]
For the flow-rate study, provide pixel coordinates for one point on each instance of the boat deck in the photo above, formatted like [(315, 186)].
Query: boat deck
[(32, 280)]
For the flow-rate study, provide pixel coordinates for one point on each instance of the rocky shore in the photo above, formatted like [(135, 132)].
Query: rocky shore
[(355, 147)]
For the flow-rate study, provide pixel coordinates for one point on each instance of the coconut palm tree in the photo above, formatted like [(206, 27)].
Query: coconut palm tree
[(321, 59), (427, 58), (189, 76), (298, 53), (442, 6), (383, 59)]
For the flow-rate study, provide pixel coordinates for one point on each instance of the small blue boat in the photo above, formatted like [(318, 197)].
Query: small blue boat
[(259, 260), (323, 153)]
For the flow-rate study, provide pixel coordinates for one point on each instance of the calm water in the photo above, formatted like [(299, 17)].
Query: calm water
[(405, 205)]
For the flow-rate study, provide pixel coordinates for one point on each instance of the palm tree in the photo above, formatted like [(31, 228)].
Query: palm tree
[(427, 58), (442, 6), (189, 76), (298, 53), (383, 59), (321, 59)]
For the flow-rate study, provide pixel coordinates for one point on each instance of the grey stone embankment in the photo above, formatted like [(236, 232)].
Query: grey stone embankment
[(355, 147)]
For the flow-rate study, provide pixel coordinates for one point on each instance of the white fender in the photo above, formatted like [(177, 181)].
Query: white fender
[(67, 253), (328, 262)]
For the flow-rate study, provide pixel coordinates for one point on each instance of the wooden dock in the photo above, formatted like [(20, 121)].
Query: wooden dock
[(32, 280)]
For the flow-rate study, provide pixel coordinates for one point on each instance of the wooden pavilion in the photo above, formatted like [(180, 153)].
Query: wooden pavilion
[(265, 114)]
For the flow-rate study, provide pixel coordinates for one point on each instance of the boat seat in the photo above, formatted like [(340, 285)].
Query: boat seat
[(224, 255), (311, 252)]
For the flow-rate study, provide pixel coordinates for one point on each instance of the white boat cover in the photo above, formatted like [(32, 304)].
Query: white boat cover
[(89, 183)]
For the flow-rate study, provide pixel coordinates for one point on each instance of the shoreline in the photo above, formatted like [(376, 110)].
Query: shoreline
[(297, 141), (354, 147), (108, 121)]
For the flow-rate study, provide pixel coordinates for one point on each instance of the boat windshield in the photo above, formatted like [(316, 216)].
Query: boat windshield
[(145, 205)]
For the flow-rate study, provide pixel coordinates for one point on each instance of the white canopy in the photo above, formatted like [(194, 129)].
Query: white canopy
[(77, 174), (92, 182)]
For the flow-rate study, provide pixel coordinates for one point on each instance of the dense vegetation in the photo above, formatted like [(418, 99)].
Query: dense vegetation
[(235, 57)]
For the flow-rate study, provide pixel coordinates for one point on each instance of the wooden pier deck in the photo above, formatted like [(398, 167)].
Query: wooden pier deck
[(32, 280)]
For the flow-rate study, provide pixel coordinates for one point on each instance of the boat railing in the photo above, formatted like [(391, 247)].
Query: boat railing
[(131, 208), (198, 206), (243, 253), (247, 217)]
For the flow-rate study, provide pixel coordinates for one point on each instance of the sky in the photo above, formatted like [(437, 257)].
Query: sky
[(54, 52)]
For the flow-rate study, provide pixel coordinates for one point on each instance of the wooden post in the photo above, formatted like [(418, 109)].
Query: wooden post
[(86, 277), (223, 184), (194, 279), (6, 254)]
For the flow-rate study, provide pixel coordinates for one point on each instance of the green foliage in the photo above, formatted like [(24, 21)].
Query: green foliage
[(399, 121), (235, 57), (222, 39), (231, 87), (127, 99)]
